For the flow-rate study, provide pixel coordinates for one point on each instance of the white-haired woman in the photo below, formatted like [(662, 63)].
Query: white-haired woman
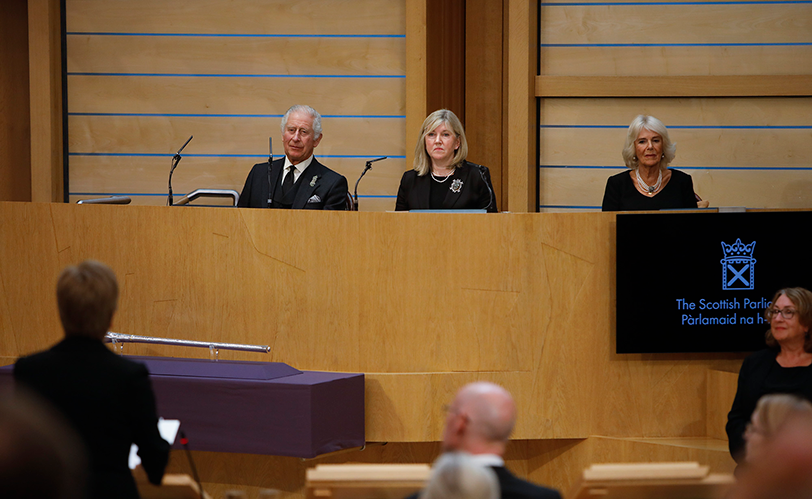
[(649, 184), (441, 178), (455, 475)]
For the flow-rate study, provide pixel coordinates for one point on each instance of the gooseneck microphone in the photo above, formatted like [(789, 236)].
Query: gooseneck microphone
[(175, 160), (485, 178), (366, 169), (270, 160)]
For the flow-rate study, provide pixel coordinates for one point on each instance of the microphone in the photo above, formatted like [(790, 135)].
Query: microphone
[(270, 160), (175, 160), (366, 169), (185, 442), (486, 179)]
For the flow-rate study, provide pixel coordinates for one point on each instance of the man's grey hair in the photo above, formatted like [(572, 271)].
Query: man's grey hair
[(301, 108), (455, 475)]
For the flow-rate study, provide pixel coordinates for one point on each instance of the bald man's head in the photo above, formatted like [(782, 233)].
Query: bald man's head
[(480, 419)]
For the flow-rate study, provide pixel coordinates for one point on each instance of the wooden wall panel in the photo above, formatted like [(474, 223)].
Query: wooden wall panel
[(349, 292), (524, 300), (679, 60), (15, 117), (143, 77), (244, 16), (741, 151)]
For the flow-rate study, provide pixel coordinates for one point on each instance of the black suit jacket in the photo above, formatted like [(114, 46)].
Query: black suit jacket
[(330, 187), (513, 487), (414, 191), (109, 401)]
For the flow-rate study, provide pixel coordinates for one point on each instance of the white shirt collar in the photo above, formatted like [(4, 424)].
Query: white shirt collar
[(297, 169), (488, 460)]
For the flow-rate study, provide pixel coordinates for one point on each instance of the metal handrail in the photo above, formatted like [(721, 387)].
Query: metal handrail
[(133, 338)]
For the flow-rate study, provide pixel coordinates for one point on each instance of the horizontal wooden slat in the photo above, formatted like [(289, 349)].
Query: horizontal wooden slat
[(373, 137), (221, 95), (750, 188), (677, 23), (218, 55), (775, 111), (674, 86), (106, 174), (238, 16), (695, 147), (671, 61)]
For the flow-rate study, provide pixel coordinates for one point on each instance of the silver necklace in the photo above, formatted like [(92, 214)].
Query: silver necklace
[(444, 178), (645, 186)]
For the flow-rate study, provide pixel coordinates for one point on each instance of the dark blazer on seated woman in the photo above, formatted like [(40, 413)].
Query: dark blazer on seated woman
[(465, 190), (622, 195)]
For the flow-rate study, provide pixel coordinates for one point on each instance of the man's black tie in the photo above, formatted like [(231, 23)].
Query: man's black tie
[(287, 184)]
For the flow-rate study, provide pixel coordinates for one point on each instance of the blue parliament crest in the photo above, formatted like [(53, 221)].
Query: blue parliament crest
[(738, 266)]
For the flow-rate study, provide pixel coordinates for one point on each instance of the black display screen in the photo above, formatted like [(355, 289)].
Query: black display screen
[(699, 282)]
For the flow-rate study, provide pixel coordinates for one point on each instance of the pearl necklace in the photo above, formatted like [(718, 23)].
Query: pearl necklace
[(444, 178), (649, 188)]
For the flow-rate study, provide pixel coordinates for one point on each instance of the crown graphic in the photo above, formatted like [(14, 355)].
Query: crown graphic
[(738, 250)]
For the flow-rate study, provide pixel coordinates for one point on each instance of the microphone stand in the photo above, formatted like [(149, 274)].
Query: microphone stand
[(492, 196), (270, 160), (366, 169), (175, 160)]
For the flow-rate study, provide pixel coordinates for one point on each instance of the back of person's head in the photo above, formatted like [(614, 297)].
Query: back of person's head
[(774, 409), (785, 468), (456, 476), (87, 295), (480, 419), (41, 457)]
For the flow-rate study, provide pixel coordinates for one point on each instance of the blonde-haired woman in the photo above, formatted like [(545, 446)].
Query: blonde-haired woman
[(649, 184), (441, 178)]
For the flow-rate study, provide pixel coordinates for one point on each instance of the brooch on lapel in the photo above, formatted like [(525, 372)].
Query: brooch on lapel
[(456, 186), (313, 181)]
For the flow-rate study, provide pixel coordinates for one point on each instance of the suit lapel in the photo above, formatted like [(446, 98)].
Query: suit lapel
[(460, 175), (306, 189)]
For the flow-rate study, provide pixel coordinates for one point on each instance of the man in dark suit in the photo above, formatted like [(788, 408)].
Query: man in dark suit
[(298, 180), (479, 422), (106, 398)]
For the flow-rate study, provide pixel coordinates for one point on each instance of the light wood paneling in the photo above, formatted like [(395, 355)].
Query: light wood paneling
[(790, 85), (15, 132), (236, 55), (722, 386), (343, 57), (149, 175), (700, 22), (708, 112), (670, 61), (224, 95), (360, 306), (735, 187), (345, 292), (740, 152), (240, 16), (416, 71), (146, 134), (696, 147)]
